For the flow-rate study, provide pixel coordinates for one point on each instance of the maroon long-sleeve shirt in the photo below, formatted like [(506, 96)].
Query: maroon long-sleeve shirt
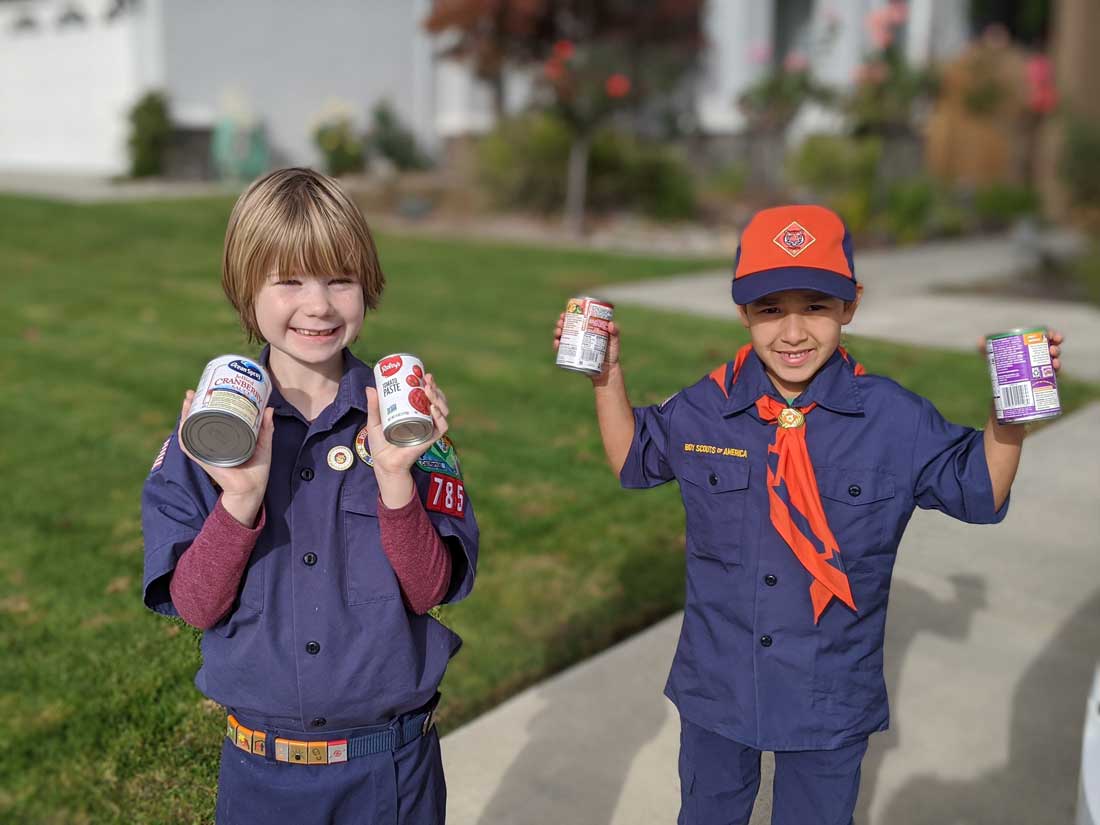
[(205, 582)]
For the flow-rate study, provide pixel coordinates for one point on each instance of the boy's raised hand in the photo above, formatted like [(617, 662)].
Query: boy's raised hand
[(243, 486), (610, 360), (389, 458)]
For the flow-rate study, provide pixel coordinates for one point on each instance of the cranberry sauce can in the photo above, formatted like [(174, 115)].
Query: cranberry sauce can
[(1024, 385), (584, 335), (402, 401), (224, 421)]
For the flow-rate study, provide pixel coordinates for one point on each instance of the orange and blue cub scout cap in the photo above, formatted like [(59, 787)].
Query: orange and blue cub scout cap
[(794, 247)]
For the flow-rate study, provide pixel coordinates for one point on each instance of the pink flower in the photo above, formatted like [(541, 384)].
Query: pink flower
[(796, 62), (880, 27), (760, 54), (563, 50), (617, 86), (1042, 93), (871, 74), (897, 12)]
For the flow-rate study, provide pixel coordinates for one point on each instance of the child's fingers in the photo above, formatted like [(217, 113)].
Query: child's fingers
[(267, 430), (373, 416), (185, 408), (435, 394)]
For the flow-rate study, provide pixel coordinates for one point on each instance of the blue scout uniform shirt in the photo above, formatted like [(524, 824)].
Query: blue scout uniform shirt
[(324, 640), (751, 664)]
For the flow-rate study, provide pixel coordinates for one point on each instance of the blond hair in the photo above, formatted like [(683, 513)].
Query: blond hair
[(295, 222)]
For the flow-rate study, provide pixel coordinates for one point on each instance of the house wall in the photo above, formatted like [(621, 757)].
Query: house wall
[(65, 90), (286, 63)]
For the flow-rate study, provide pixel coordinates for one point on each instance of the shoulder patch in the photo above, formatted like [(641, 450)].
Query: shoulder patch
[(159, 460), (441, 457)]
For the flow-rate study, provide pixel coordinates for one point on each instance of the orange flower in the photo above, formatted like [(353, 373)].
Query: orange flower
[(618, 85), (563, 50)]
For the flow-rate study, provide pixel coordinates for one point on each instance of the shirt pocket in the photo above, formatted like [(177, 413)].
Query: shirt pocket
[(369, 577), (857, 505), (714, 500)]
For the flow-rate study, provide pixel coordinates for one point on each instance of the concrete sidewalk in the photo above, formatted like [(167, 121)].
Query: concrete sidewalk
[(904, 298), (992, 639)]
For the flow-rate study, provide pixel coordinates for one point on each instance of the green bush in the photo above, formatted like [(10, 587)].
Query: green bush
[(909, 207), (150, 130), (523, 164), (841, 171), (341, 145), (391, 139), (523, 161), (1080, 163), (1001, 204)]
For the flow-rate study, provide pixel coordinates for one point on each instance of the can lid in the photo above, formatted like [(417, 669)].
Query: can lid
[(1010, 333), (218, 438), (410, 433)]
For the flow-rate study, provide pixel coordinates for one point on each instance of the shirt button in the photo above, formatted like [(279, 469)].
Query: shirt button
[(713, 479), (306, 474), (319, 722), (854, 491), (766, 641), (309, 559), (313, 648), (770, 580)]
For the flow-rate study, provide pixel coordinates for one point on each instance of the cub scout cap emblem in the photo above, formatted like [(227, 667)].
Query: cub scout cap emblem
[(790, 419), (340, 458), (794, 240)]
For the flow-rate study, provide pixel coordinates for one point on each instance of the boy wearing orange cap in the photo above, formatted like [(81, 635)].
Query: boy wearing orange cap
[(799, 473)]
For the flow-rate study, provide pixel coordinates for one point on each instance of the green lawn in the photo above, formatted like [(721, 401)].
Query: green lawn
[(110, 312)]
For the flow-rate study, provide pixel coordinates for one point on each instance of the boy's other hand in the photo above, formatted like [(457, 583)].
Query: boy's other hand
[(611, 359), (243, 486)]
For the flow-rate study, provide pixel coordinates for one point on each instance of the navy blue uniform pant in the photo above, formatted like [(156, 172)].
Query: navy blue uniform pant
[(719, 779), (401, 787)]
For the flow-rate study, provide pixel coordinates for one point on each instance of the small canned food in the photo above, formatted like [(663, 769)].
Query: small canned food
[(224, 422), (406, 410), (1024, 385), (584, 335)]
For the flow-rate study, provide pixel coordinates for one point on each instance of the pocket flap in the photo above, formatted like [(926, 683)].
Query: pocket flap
[(854, 486), (362, 500), (718, 476)]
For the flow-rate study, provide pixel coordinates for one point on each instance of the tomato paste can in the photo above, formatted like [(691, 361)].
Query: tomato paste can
[(224, 421), (584, 335), (1025, 387), (402, 401)]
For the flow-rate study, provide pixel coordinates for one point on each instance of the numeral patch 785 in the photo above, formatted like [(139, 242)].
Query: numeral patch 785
[(446, 495)]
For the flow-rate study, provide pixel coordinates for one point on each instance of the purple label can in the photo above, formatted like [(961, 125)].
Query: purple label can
[(1024, 385)]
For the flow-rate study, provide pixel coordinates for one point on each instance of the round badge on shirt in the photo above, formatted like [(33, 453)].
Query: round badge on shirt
[(340, 458)]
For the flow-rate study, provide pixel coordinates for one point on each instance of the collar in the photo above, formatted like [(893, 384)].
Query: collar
[(351, 394), (833, 386)]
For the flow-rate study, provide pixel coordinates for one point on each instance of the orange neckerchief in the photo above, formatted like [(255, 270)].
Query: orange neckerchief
[(794, 471)]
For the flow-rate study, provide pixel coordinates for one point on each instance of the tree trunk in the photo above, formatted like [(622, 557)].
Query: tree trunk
[(1076, 41), (576, 184)]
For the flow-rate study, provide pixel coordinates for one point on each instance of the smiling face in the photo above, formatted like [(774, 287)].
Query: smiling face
[(310, 319), (794, 333)]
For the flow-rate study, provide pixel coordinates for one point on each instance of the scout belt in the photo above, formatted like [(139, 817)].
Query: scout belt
[(328, 752)]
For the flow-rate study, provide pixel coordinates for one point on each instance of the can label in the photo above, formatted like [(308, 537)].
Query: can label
[(227, 410), (584, 335), (1024, 385), (402, 401)]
